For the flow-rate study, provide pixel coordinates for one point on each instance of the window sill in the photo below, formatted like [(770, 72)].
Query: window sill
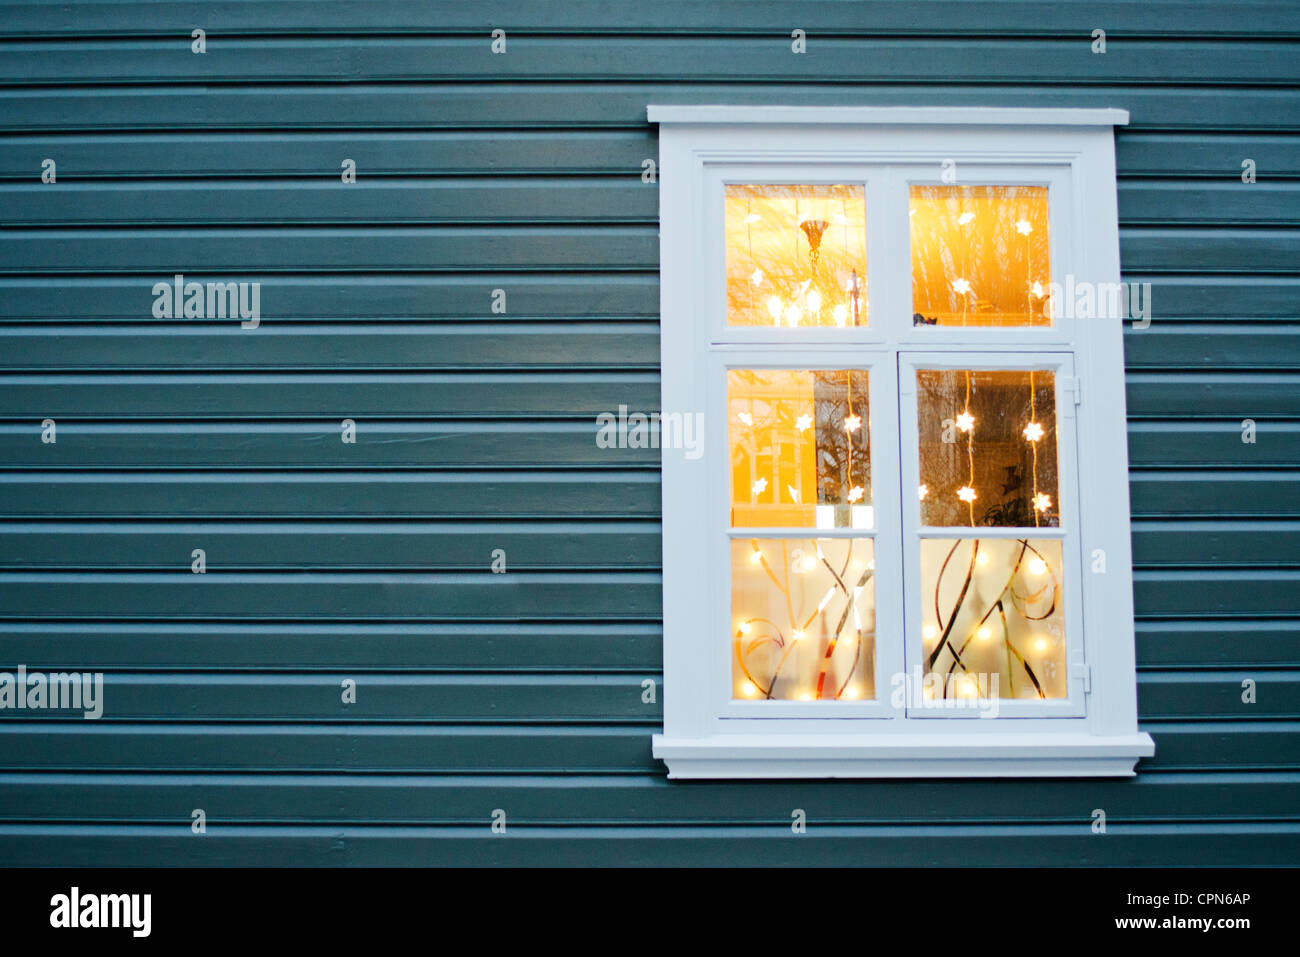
[(993, 755)]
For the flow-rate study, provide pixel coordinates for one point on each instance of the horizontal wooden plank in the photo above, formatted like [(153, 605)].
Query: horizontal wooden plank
[(1205, 443), (833, 57), (1213, 592), (210, 347), (1208, 250), (1213, 494), (416, 199), (575, 749), (318, 699), (487, 105), (246, 445), (1210, 394), (565, 295), (472, 249), (1217, 543), (341, 596), (320, 155), (1216, 643), (629, 799), (622, 199), (1224, 345), (531, 494), (1216, 695), (520, 647), (430, 546), (466, 749), (1145, 202), (1212, 155), (171, 845), (546, 699), (1204, 296), (390, 395), (744, 17)]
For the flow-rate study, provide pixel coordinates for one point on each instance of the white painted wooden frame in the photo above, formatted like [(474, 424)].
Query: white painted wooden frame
[(706, 735)]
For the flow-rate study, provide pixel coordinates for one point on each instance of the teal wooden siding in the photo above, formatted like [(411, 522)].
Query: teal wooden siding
[(370, 561)]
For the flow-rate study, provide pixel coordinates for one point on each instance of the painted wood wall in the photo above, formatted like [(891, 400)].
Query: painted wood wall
[(369, 561)]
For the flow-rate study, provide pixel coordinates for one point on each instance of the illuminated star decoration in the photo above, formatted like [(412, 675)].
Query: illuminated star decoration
[(965, 218), (961, 285), (759, 485), (966, 493), (922, 491), (757, 277), (1033, 431), (803, 423), (852, 423), (1042, 502), (1024, 228), (745, 417), (855, 493), (965, 422)]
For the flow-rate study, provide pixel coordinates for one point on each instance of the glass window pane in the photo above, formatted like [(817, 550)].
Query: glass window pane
[(796, 255), (980, 256), (800, 446), (993, 618), (987, 447), (803, 619)]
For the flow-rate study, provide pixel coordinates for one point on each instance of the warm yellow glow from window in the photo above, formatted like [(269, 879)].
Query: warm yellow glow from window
[(796, 255), (810, 606), (1012, 620), (980, 255), (800, 448)]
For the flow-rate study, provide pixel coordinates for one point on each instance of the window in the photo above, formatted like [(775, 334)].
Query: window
[(905, 548)]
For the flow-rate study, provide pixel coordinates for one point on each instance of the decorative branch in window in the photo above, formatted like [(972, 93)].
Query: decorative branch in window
[(994, 606), (804, 614), (796, 255)]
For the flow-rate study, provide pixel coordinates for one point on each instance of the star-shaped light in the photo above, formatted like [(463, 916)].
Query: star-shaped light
[(1038, 290), (757, 277), (1024, 227), (965, 422), (759, 485), (796, 634), (961, 285), (745, 417), (922, 491), (966, 493), (803, 423), (752, 218), (1042, 502), (1033, 431), (855, 493), (965, 218), (852, 423)]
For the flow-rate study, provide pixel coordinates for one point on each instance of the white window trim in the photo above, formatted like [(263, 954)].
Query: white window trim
[(702, 737)]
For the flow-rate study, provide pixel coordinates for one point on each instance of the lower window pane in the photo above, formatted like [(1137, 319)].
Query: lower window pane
[(993, 618), (803, 615)]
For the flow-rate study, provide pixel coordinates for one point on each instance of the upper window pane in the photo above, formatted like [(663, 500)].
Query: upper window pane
[(988, 447), (980, 256), (800, 446), (796, 255)]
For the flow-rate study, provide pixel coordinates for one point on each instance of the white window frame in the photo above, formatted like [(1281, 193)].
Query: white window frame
[(1091, 733)]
